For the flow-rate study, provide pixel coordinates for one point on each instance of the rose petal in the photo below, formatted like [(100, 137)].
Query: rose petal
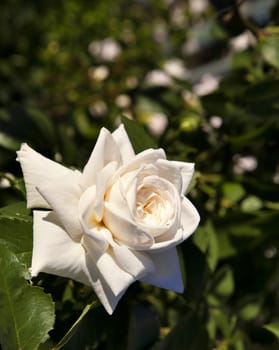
[(124, 229), (101, 288), (116, 278), (149, 156), (63, 195), (190, 217), (123, 142), (168, 208), (167, 271), (171, 172), (104, 152), (135, 263), (90, 226), (187, 171), (38, 169), (169, 241), (103, 177), (54, 251)]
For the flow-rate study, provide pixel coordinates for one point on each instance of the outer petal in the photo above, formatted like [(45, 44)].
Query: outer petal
[(111, 273), (186, 170), (171, 172), (115, 277), (190, 217), (101, 288), (104, 152), (54, 251), (149, 156), (123, 142), (167, 271), (38, 169), (63, 195)]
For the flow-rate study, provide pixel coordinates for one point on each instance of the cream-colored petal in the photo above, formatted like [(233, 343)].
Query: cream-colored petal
[(63, 196), (149, 156), (170, 171), (54, 251), (91, 227), (125, 230), (100, 286), (134, 262), (168, 241), (104, 152), (190, 217), (187, 171), (122, 140), (189, 222), (103, 177), (38, 169), (116, 278), (167, 272), (163, 207)]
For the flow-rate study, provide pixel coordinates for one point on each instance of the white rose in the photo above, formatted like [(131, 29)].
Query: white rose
[(117, 221)]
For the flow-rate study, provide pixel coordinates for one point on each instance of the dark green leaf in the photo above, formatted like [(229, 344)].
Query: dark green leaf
[(26, 312), (206, 240), (16, 230), (138, 136)]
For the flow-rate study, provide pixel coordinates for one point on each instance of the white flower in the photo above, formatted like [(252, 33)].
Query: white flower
[(117, 221), (157, 77), (106, 50)]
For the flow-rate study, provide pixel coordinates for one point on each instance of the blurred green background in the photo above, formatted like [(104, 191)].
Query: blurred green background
[(202, 77)]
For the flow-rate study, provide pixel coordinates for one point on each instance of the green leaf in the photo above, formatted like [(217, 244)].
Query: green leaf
[(273, 328), (253, 136), (16, 230), (251, 204), (233, 191), (250, 311), (138, 136), (206, 240), (226, 248), (26, 312), (16, 211), (225, 285), (269, 48), (8, 142)]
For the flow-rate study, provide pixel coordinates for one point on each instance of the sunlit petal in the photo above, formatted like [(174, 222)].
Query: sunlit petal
[(190, 217), (54, 251), (100, 286), (167, 271), (146, 157), (63, 196), (103, 177), (123, 142), (38, 169), (104, 152)]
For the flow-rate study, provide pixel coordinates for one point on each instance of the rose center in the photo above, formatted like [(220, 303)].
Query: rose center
[(151, 207)]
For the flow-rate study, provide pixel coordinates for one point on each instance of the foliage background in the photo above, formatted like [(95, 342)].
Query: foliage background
[(203, 79)]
